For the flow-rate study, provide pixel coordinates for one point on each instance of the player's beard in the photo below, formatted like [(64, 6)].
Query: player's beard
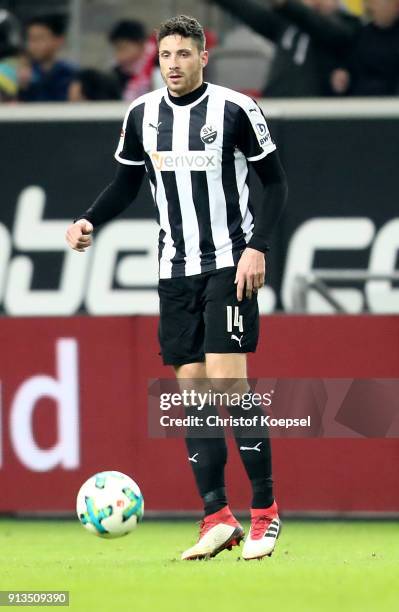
[(186, 84)]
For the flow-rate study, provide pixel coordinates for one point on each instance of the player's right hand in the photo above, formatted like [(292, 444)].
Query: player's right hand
[(78, 235)]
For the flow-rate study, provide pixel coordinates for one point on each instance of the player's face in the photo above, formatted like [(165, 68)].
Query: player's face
[(181, 63)]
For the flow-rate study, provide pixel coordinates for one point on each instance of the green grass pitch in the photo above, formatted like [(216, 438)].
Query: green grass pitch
[(317, 566)]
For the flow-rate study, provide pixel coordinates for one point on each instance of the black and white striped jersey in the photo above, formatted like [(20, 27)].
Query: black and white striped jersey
[(196, 160)]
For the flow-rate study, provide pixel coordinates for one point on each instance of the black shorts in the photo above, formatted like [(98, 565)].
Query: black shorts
[(201, 314)]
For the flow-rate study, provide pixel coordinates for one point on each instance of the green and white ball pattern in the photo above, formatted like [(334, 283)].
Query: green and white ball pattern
[(110, 504)]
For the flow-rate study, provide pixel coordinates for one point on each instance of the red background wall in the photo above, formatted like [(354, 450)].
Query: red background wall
[(116, 358)]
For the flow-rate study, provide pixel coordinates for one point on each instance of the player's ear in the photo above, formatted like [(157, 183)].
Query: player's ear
[(204, 58)]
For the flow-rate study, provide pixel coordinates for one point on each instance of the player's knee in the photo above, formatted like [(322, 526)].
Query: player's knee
[(190, 370), (192, 377), (224, 367), (225, 382)]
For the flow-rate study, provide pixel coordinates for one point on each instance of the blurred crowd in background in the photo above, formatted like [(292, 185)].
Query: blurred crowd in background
[(279, 48)]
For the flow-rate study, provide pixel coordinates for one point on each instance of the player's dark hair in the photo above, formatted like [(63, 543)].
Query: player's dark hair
[(57, 23), (187, 27), (128, 29)]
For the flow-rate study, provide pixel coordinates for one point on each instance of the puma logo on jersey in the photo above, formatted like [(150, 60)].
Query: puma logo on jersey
[(193, 458), (239, 339), (254, 448), (156, 127)]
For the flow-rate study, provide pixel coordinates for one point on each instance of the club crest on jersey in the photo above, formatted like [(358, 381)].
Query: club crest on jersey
[(208, 134)]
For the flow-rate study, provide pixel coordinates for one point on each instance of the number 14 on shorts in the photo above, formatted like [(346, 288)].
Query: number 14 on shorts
[(238, 320)]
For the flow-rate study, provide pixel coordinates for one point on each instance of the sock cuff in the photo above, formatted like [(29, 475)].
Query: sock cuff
[(271, 511), (223, 513)]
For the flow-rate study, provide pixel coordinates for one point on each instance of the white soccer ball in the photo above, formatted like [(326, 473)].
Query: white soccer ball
[(110, 504)]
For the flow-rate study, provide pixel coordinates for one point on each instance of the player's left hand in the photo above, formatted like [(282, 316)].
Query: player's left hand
[(250, 275)]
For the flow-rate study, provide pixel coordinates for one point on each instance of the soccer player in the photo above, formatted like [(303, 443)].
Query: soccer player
[(196, 141)]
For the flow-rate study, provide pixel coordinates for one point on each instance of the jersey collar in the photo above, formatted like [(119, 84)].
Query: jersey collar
[(190, 99)]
